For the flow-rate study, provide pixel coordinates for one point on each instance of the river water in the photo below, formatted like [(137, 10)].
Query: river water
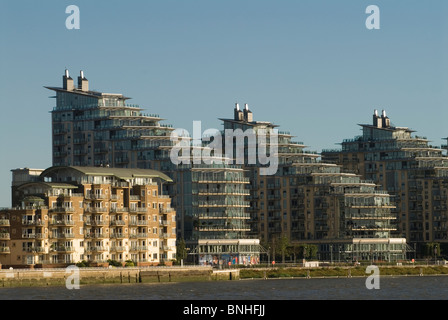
[(390, 288)]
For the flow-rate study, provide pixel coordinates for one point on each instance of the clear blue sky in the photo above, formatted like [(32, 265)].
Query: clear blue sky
[(310, 66)]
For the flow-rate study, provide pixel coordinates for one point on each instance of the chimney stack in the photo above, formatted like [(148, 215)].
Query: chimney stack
[(248, 116), (83, 83), (238, 114), (385, 120), (67, 82)]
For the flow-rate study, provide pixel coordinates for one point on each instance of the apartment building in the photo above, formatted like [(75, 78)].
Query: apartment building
[(310, 201), (215, 221), (92, 128), (95, 214), (409, 168)]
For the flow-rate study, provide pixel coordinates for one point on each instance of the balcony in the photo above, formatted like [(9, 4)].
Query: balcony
[(99, 223), (96, 210), (62, 222), (117, 249), (4, 222), (95, 235), (63, 249), (61, 210), (92, 196), (117, 235), (139, 248), (138, 235), (97, 249), (165, 223), (117, 223), (5, 250), (63, 235), (138, 222)]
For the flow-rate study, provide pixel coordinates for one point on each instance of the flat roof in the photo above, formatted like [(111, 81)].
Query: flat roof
[(90, 93)]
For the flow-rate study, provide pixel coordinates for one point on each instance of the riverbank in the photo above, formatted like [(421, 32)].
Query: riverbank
[(87, 276), (341, 272), (71, 277)]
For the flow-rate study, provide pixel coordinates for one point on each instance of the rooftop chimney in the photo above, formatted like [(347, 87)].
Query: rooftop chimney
[(248, 116), (238, 114), (385, 120), (67, 82), (83, 83), (376, 119)]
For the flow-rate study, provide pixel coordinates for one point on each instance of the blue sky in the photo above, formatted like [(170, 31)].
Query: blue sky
[(311, 67)]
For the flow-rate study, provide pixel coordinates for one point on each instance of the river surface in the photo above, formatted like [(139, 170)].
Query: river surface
[(390, 288)]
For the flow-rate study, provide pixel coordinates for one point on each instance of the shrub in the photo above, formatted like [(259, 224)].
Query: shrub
[(129, 263)]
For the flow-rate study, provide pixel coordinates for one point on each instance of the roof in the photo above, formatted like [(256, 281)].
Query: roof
[(121, 173), (251, 123), (386, 128), (91, 93), (49, 185)]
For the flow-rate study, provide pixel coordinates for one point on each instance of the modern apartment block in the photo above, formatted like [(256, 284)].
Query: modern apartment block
[(71, 214), (310, 201), (414, 172), (214, 220), (92, 128)]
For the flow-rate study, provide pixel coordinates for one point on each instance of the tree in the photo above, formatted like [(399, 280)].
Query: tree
[(431, 249), (283, 245), (181, 251)]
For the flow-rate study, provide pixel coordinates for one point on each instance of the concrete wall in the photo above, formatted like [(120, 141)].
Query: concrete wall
[(60, 277)]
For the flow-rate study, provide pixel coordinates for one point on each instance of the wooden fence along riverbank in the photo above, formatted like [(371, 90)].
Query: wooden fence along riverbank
[(62, 277)]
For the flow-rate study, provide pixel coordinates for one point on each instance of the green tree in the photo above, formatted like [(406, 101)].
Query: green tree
[(282, 246), (431, 249), (181, 251)]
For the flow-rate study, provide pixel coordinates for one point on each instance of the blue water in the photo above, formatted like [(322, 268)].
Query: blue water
[(390, 288)]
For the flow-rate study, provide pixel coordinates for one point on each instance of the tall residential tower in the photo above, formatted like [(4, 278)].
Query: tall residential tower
[(414, 172)]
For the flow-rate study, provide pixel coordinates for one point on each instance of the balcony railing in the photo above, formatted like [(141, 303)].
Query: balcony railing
[(62, 209), (117, 235), (57, 222), (5, 250)]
